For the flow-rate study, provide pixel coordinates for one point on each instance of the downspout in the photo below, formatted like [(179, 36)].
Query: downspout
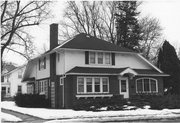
[(63, 91)]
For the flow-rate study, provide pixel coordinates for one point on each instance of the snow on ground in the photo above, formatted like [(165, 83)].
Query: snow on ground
[(9, 118), (71, 114)]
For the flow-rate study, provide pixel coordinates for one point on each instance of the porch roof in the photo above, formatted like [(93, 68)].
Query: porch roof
[(112, 71)]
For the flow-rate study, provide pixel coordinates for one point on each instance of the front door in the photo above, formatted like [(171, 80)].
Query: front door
[(123, 87)]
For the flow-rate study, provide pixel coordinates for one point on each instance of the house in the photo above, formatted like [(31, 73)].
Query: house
[(11, 82), (5, 85), (85, 66)]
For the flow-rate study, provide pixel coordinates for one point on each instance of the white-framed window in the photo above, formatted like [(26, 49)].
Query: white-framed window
[(99, 58), (42, 63), (146, 85), (92, 85), (19, 89), (107, 58), (30, 89), (92, 57), (43, 85)]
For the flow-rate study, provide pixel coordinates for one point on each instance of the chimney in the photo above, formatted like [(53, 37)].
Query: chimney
[(53, 35)]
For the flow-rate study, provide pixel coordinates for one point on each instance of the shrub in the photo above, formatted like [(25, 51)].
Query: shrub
[(94, 104), (156, 101), (31, 100), (167, 101)]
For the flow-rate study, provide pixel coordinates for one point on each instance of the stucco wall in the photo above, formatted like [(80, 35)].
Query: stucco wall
[(43, 73), (77, 58)]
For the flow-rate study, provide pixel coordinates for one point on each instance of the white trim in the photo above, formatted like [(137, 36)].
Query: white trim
[(149, 63), (128, 70), (127, 87), (94, 95), (98, 50), (96, 58), (149, 85), (152, 75), (90, 74), (93, 90)]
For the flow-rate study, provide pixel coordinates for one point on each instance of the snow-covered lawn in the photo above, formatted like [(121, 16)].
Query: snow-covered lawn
[(9, 118), (71, 114)]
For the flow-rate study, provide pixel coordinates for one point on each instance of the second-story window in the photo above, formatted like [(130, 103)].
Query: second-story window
[(42, 63), (92, 57), (99, 58), (107, 58)]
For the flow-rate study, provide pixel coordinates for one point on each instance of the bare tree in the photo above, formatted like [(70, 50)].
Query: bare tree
[(151, 33), (95, 18), (16, 17)]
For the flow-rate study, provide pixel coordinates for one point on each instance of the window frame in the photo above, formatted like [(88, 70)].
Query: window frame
[(97, 58), (42, 63), (43, 84), (93, 85), (150, 90)]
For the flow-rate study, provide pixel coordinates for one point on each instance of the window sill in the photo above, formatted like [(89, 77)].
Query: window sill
[(95, 95)]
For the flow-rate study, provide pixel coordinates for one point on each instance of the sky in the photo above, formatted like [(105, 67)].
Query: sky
[(166, 11)]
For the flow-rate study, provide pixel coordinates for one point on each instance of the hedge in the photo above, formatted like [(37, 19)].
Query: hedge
[(32, 100)]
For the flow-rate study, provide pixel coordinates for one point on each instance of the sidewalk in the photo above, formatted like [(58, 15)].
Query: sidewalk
[(25, 118)]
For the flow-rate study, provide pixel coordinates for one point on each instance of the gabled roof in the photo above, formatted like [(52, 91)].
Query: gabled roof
[(9, 67), (87, 42), (113, 71)]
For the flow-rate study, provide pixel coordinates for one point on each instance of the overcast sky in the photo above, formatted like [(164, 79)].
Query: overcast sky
[(166, 11)]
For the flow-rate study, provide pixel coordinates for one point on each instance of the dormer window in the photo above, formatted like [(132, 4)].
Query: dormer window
[(92, 58), (42, 63), (99, 58)]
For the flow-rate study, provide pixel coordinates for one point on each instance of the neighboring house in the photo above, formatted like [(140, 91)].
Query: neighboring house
[(5, 84), (13, 82), (85, 66)]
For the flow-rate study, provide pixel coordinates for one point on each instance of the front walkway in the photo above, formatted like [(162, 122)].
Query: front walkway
[(25, 118)]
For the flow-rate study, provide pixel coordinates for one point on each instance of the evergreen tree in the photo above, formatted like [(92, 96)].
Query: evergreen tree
[(169, 63), (128, 30)]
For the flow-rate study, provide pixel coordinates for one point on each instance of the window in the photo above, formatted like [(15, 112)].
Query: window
[(97, 84), (20, 73), (80, 85), (99, 58), (42, 86), (42, 63), (8, 89), (2, 78), (3, 90), (107, 58), (92, 85), (89, 84), (19, 89), (30, 89), (105, 84), (123, 86), (146, 85), (92, 57)]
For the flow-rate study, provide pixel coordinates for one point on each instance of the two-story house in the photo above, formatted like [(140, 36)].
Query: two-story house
[(5, 84), (85, 66), (12, 82)]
